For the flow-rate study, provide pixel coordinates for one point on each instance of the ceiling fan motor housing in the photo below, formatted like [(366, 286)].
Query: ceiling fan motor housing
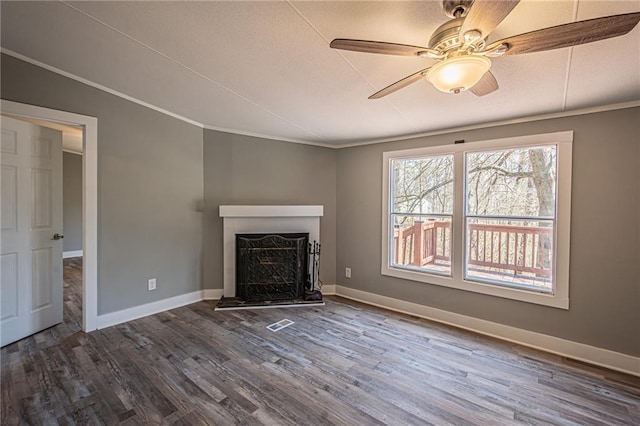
[(446, 38)]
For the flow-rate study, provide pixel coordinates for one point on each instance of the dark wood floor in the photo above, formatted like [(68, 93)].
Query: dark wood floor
[(343, 363)]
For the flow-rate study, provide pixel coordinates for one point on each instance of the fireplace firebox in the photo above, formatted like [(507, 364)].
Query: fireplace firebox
[(271, 267)]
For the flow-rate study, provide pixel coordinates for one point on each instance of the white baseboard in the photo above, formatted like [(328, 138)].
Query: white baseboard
[(212, 293), (328, 289), (136, 312), (130, 314), (68, 254), (579, 351)]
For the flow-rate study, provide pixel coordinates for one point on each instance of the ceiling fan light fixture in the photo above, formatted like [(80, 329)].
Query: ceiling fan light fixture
[(459, 73)]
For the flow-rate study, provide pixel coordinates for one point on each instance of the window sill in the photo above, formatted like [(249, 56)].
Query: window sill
[(552, 300)]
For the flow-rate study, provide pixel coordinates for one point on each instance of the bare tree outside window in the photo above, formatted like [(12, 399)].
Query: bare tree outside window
[(516, 182)]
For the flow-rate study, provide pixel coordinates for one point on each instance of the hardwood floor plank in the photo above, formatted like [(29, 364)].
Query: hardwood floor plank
[(139, 384), (288, 397), (335, 385), (322, 397), (344, 363), (410, 399)]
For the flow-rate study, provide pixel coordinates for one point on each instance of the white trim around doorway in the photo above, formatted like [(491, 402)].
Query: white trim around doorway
[(89, 197)]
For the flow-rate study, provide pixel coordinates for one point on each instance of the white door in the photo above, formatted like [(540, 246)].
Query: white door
[(31, 216)]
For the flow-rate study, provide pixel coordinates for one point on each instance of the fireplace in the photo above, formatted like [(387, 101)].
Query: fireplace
[(285, 286), (271, 267)]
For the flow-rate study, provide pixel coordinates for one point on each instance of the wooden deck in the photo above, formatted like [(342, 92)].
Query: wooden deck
[(344, 363), (506, 254)]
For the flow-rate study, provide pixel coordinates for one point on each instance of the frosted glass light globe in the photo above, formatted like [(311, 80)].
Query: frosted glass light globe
[(458, 73)]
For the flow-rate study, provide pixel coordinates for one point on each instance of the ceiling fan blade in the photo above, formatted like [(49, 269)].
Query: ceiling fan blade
[(486, 85), (382, 47), (485, 15), (571, 34), (400, 84)]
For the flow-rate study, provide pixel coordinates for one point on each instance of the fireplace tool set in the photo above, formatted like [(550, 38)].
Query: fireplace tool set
[(313, 282)]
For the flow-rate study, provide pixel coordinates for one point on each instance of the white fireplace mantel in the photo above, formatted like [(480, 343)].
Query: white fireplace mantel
[(271, 211), (259, 220)]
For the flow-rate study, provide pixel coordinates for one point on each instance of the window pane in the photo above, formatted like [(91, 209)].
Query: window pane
[(422, 242), (514, 182), (513, 252), (423, 185)]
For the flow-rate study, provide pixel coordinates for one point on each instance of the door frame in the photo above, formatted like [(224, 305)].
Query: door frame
[(89, 198)]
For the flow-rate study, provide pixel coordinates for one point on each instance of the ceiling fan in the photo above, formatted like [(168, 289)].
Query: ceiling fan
[(460, 47)]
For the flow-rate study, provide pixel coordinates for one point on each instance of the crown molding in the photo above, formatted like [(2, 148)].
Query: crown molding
[(270, 137), (524, 119), (98, 86)]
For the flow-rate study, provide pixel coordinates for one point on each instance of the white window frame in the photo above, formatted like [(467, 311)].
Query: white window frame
[(559, 297)]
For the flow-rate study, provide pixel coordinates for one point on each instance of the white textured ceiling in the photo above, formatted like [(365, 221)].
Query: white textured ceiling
[(265, 68)]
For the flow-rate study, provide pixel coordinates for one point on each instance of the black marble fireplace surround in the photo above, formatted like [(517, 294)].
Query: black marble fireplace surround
[(271, 267)]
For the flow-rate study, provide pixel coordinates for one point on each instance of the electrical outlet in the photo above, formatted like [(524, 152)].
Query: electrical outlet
[(347, 272), (152, 284)]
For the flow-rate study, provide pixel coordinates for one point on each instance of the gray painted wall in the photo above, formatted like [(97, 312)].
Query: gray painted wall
[(605, 233), (72, 201), (150, 187), (246, 170), (152, 177)]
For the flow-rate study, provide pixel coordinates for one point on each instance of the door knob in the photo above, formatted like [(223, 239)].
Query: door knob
[(57, 236)]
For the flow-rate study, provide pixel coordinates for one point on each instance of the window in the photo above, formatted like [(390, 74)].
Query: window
[(489, 217), (510, 216), (421, 211)]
